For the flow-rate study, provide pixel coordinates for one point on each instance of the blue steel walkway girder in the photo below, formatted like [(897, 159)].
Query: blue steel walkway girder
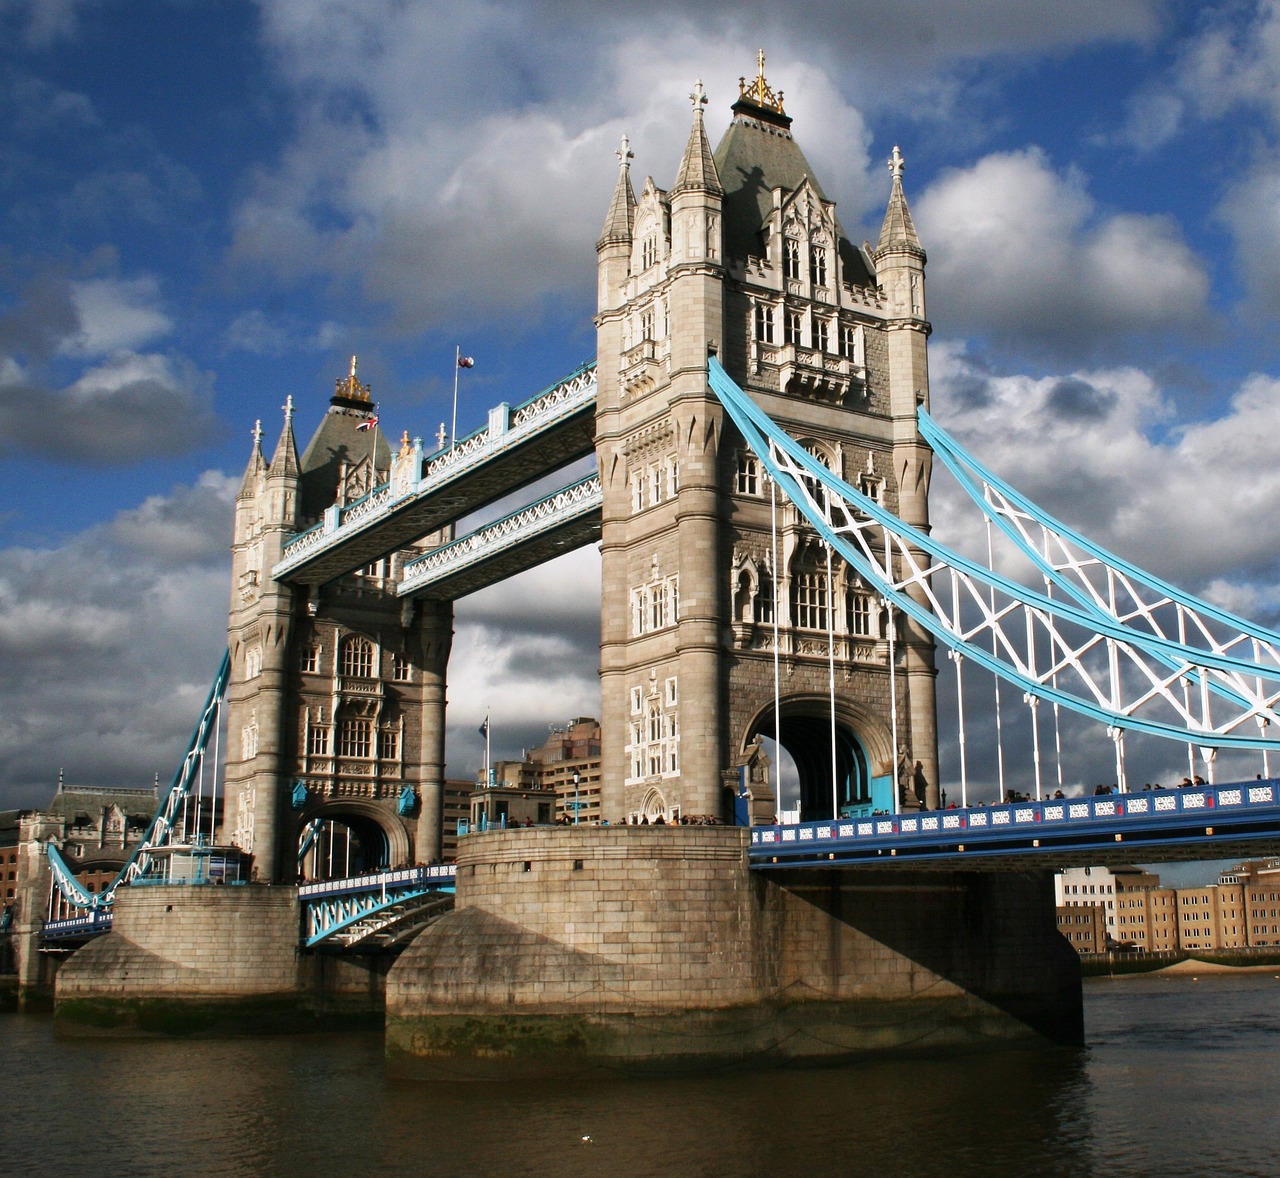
[(560, 522), (519, 445), (1239, 820), (380, 909)]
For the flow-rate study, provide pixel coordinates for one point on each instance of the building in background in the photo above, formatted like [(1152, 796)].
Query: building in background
[(566, 768), (1104, 909)]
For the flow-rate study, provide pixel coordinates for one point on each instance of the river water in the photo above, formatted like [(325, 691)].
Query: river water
[(1181, 1076)]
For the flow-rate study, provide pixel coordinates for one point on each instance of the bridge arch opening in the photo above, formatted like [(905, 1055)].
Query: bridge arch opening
[(813, 786), (344, 839)]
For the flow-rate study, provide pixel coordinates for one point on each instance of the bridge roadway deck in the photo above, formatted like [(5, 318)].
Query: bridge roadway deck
[(1212, 822), (517, 447), (567, 519)]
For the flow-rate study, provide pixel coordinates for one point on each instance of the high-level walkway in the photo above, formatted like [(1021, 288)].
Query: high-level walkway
[(517, 447)]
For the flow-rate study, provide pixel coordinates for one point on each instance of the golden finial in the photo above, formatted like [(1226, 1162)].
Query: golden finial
[(759, 91), (351, 387), (405, 448)]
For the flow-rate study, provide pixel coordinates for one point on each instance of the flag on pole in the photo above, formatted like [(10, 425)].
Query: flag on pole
[(466, 362), (368, 424), (484, 728)]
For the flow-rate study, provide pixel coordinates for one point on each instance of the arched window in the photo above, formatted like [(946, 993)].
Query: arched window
[(791, 259), (357, 658)]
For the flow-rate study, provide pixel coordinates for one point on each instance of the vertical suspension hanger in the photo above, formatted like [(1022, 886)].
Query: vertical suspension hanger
[(831, 683), (956, 657), (995, 652)]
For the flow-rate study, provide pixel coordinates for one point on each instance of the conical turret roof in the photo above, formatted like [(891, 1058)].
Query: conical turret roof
[(621, 217), (898, 231), (698, 166)]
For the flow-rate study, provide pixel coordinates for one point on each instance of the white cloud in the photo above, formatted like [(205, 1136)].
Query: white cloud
[(1021, 253), (453, 161), (116, 313), (1251, 208), (109, 642), (1091, 449)]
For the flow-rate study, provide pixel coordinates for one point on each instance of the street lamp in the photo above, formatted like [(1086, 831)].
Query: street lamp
[(577, 805)]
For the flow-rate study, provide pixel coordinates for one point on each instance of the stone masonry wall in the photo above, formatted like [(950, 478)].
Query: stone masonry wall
[(182, 941)]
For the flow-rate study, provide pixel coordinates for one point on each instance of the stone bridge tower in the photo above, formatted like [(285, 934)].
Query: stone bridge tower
[(703, 596), (337, 693)]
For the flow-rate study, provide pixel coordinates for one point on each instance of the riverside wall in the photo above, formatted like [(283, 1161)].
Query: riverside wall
[(655, 949)]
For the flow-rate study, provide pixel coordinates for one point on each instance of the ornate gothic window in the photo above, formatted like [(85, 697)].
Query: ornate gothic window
[(357, 658), (649, 251), (858, 609), (764, 323), (818, 265), (810, 604), (794, 328), (821, 334), (791, 259), (748, 473), (356, 739), (388, 744), (401, 668)]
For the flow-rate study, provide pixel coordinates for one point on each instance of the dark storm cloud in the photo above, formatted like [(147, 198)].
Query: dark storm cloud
[(1076, 399), (129, 409)]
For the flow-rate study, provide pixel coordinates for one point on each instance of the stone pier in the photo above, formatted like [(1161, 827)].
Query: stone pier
[(654, 949), (187, 960)]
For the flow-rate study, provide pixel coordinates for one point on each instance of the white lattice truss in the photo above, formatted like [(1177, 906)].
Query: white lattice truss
[(1113, 664)]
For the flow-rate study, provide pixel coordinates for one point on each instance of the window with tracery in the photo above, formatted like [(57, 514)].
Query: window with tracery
[(794, 328), (810, 605), (357, 658), (748, 473), (356, 739), (654, 748), (791, 259), (818, 265), (764, 323)]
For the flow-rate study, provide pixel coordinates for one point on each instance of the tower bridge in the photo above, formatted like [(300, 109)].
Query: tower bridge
[(758, 412)]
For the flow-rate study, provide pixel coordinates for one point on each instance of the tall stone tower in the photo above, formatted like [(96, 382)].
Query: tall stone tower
[(721, 624), (337, 693)]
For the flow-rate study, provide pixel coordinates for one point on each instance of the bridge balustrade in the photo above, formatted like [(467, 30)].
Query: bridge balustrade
[(1193, 818)]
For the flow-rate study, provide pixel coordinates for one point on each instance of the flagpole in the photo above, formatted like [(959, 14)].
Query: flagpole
[(457, 366), (487, 771)]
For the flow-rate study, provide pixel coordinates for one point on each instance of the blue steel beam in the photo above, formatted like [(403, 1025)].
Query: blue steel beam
[(1201, 822), (160, 832), (334, 907), (1031, 640), (518, 446)]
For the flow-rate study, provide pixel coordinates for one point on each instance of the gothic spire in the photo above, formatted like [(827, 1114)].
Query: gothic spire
[(285, 459), (622, 210), (257, 464), (698, 167), (898, 231)]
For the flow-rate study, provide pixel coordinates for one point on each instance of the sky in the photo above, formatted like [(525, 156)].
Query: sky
[(207, 207)]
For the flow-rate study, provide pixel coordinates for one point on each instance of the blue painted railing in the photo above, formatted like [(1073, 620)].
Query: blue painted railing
[(1164, 817)]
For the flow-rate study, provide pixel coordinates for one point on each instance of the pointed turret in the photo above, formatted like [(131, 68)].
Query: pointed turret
[(257, 465), (898, 233), (698, 166), (622, 210), (285, 459)]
